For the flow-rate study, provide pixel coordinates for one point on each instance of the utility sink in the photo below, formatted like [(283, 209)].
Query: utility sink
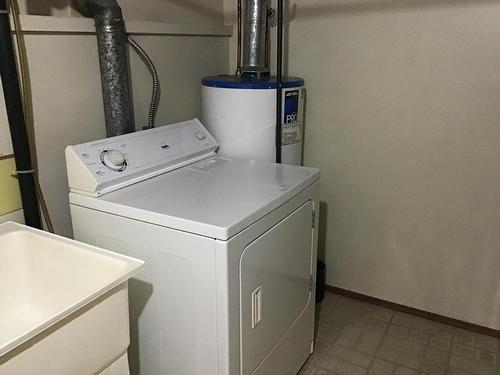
[(63, 305)]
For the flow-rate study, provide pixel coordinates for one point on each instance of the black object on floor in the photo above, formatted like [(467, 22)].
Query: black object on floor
[(320, 281)]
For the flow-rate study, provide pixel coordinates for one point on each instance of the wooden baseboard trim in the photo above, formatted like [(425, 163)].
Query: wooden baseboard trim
[(413, 311)]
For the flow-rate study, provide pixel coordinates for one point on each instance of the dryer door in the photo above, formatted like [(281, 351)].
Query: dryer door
[(275, 282)]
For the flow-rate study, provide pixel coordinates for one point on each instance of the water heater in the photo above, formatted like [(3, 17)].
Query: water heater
[(241, 115)]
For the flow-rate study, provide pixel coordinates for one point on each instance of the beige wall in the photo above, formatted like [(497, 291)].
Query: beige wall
[(68, 101), (178, 11), (230, 18), (66, 84), (403, 118)]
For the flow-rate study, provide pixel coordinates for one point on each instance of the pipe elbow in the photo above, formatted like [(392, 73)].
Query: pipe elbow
[(103, 11), (112, 50)]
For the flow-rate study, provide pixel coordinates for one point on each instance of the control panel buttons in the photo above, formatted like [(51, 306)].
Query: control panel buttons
[(114, 160), (108, 164), (200, 135)]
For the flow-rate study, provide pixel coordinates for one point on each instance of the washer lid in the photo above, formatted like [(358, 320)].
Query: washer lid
[(215, 197)]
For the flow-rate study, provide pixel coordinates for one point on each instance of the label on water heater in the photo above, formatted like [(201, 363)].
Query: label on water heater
[(291, 125)]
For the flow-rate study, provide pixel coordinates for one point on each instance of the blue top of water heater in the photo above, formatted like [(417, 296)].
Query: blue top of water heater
[(231, 82)]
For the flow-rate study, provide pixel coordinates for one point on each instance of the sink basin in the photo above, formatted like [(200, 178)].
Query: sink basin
[(63, 304)]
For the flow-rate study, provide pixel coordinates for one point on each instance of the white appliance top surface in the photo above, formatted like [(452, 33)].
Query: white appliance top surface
[(214, 197)]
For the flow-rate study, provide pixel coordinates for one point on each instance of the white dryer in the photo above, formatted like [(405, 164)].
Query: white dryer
[(229, 244)]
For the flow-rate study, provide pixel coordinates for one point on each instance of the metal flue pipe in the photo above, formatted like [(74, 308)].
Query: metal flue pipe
[(113, 62), (254, 45)]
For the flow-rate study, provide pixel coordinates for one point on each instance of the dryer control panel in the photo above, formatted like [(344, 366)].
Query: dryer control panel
[(102, 166)]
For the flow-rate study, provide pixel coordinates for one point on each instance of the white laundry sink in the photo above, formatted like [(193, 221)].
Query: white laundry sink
[(63, 305)]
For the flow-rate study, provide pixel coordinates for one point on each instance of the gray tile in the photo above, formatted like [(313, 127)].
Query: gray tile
[(443, 330), (313, 361), (470, 365), (402, 319), (404, 345), (328, 333), (340, 367), (486, 342), (439, 343), (328, 303), (486, 357), (463, 336), (323, 315), (342, 311), (356, 338), (419, 337), (333, 323), (376, 325), (364, 309), (399, 357), (370, 339), (433, 368), (463, 350), (380, 367), (437, 355), (320, 371), (350, 355), (307, 369), (454, 371), (331, 299), (382, 313), (321, 346), (405, 371), (398, 331), (348, 309), (423, 325), (351, 334)]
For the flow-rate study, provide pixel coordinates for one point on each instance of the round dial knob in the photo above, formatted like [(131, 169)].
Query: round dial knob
[(114, 160)]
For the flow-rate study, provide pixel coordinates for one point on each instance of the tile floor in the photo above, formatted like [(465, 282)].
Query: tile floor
[(357, 338)]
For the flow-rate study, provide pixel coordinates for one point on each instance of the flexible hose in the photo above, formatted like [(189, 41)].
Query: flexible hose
[(155, 95), (28, 109)]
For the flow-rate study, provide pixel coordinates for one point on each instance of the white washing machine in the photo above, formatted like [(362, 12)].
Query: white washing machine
[(229, 244)]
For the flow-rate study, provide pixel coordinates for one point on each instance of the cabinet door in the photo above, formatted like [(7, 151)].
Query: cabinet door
[(275, 282)]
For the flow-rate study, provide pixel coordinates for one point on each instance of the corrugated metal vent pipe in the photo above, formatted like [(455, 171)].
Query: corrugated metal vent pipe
[(112, 48), (254, 44)]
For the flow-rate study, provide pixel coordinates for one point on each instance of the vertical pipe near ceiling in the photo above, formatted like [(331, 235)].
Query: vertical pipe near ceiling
[(254, 45), (17, 126), (113, 63)]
